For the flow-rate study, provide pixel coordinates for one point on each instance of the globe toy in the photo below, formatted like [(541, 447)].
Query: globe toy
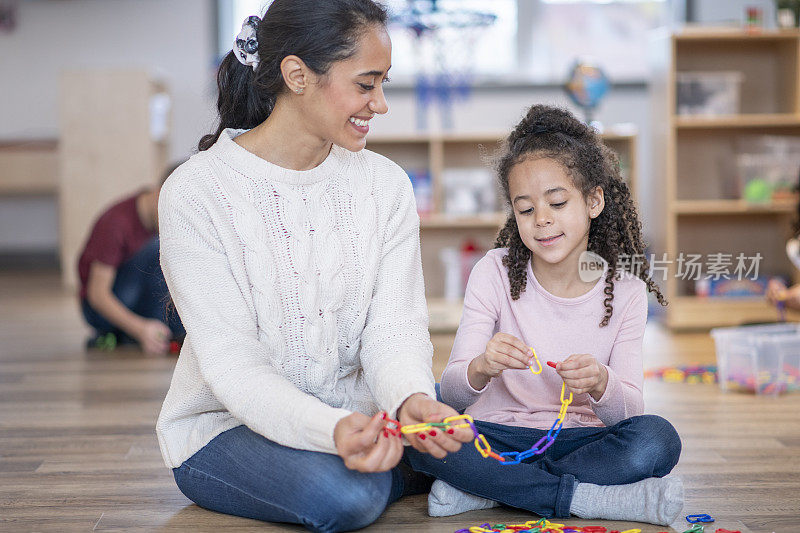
[(586, 86)]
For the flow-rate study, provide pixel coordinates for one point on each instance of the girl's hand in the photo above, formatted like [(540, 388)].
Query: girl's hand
[(419, 408), (776, 291), (582, 373), (361, 443), (503, 351), (793, 297)]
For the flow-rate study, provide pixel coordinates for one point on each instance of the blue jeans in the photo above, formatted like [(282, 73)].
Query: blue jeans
[(632, 450), (140, 286), (244, 474)]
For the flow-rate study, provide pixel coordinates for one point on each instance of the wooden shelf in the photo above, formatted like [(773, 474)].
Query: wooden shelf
[(696, 161), (443, 221), (732, 207), (29, 167), (693, 312), (444, 315), (722, 34), (754, 120)]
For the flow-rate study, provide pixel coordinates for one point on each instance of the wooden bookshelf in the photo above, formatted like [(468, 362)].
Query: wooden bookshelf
[(435, 153), (702, 216)]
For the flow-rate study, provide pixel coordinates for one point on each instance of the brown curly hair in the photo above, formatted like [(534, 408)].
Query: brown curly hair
[(555, 133)]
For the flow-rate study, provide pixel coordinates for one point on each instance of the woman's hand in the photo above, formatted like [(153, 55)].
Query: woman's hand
[(363, 445), (419, 408), (503, 351), (582, 373)]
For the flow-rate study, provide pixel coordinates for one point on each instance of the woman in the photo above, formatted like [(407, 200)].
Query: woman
[(292, 256)]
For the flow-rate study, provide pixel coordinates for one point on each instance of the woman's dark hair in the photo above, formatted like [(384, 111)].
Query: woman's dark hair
[(555, 133), (318, 32)]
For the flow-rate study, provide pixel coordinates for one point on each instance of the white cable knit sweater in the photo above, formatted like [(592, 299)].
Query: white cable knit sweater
[(301, 293)]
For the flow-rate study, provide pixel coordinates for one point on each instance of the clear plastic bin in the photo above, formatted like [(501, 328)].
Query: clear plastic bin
[(787, 348), (709, 93), (760, 359)]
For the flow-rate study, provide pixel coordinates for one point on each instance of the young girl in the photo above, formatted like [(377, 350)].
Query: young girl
[(567, 198), (292, 256)]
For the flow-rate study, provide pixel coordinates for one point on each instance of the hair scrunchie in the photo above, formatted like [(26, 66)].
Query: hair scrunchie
[(245, 46)]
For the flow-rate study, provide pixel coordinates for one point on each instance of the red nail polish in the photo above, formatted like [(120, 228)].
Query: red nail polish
[(422, 436), (383, 415), (451, 431), (385, 433), (550, 363), (432, 433)]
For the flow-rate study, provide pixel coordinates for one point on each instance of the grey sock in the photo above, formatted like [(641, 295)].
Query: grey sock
[(446, 500), (653, 500)]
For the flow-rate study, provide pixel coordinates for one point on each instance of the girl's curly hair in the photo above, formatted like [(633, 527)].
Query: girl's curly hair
[(555, 133)]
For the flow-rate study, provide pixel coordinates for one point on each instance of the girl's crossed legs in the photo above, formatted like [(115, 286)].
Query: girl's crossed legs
[(637, 448)]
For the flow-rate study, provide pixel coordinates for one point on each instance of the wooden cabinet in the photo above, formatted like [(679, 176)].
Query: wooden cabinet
[(112, 143), (698, 163), (442, 154)]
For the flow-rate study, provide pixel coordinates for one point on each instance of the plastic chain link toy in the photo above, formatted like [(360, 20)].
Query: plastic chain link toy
[(697, 518), (540, 526), (483, 447), (545, 526), (690, 374)]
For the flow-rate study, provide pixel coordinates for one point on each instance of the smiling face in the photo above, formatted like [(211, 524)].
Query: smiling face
[(351, 93), (552, 214)]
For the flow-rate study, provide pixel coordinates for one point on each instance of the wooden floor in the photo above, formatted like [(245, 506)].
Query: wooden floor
[(78, 452)]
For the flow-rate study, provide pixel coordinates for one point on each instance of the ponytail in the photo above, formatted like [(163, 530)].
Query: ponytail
[(241, 104)]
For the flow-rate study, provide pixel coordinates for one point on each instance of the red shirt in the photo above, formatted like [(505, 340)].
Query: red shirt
[(116, 237)]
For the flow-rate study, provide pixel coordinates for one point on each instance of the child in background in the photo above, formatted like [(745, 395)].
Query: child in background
[(123, 291), (567, 197), (778, 293)]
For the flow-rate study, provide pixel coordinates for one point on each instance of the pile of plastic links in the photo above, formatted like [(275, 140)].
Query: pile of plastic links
[(700, 528), (545, 526), (689, 374), (505, 458), (541, 526)]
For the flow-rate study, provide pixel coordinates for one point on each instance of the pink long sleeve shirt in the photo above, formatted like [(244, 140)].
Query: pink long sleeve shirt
[(556, 328)]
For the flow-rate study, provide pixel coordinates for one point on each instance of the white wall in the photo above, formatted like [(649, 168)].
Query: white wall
[(172, 39), (175, 39)]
